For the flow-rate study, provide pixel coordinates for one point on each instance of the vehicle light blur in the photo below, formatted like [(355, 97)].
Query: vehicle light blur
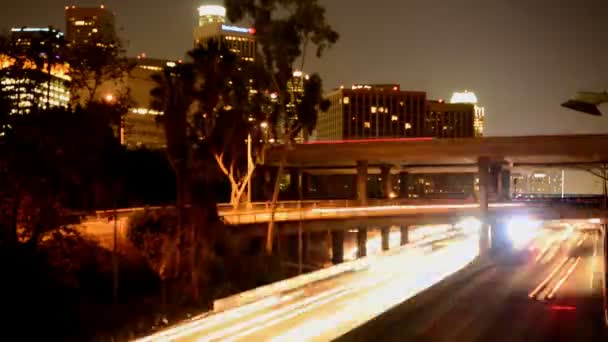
[(563, 308), (469, 225), (522, 230)]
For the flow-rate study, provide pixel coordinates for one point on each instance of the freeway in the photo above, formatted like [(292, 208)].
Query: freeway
[(327, 309), (549, 291)]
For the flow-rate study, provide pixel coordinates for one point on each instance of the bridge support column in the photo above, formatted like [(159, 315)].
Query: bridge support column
[(387, 181), (361, 242), (385, 234), (337, 246), (505, 185), (499, 240), (294, 184), (405, 235), (362, 182), (484, 183), (403, 176)]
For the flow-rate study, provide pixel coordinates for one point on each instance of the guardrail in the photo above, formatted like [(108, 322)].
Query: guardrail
[(237, 218)]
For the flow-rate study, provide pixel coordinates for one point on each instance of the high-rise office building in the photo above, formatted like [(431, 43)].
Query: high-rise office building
[(449, 120), (212, 25), (372, 111), (295, 92), (85, 25), (140, 126), (470, 97), (30, 87)]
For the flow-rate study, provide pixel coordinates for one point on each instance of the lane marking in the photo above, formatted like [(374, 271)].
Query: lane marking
[(331, 294), (544, 283), (564, 278)]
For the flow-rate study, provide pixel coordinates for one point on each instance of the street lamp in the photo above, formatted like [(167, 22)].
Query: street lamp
[(109, 100), (587, 102)]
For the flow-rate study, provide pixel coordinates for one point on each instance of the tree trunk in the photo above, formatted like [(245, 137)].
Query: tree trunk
[(275, 198), (194, 264)]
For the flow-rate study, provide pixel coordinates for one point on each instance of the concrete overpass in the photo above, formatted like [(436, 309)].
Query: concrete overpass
[(492, 156), (550, 150)]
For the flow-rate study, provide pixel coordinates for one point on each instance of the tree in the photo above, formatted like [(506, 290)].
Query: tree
[(284, 31), (43, 173), (231, 98), (174, 95), (94, 64), (154, 233), (207, 105)]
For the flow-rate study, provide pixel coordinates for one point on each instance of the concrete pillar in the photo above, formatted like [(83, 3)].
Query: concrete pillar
[(304, 181), (337, 246), (498, 237), (387, 181), (505, 179), (361, 242), (405, 235), (385, 234), (403, 176), (484, 180), (294, 184), (362, 182)]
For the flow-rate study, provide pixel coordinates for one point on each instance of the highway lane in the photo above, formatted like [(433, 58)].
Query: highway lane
[(548, 291), (327, 309)]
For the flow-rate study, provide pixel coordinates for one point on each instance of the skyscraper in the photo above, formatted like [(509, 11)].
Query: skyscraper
[(470, 97), (212, 25), (35, 84), (449, 120), (85, 25), (372, 111)]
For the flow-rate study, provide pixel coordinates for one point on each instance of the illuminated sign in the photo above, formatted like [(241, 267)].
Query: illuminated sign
[(238, 29), (212, 10)]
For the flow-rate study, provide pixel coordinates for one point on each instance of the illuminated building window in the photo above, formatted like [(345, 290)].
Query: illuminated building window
[(374, 109), (346, 100), (394, 118), (408, 125), (367, 124)]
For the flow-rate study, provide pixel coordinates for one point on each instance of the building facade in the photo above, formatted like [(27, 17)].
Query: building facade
[(85, 25), (381, 111), (212, 25), (372, 111), (141, 127), (480, 114), (34, 85), (449, 120)]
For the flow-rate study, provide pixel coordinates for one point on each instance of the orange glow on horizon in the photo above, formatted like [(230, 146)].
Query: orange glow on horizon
[(58, 70)]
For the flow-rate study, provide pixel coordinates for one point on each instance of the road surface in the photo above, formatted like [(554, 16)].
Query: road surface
[(328, 309), (550, 292)]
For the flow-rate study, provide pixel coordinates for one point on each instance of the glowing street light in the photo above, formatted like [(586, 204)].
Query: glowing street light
[(109, 98)]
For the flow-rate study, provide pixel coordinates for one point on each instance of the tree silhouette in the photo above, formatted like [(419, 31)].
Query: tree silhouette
[(284, 31)]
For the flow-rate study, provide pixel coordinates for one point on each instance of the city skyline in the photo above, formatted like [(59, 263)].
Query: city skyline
[(505, 51)]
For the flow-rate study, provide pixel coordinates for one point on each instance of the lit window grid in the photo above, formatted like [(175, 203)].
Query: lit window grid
[(27, 93), (365, 113)]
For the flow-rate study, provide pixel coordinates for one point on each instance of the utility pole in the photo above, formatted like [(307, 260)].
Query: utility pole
[(115, 257), (249, 169)]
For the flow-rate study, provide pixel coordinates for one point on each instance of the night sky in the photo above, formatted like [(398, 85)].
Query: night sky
[(522, 57)]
